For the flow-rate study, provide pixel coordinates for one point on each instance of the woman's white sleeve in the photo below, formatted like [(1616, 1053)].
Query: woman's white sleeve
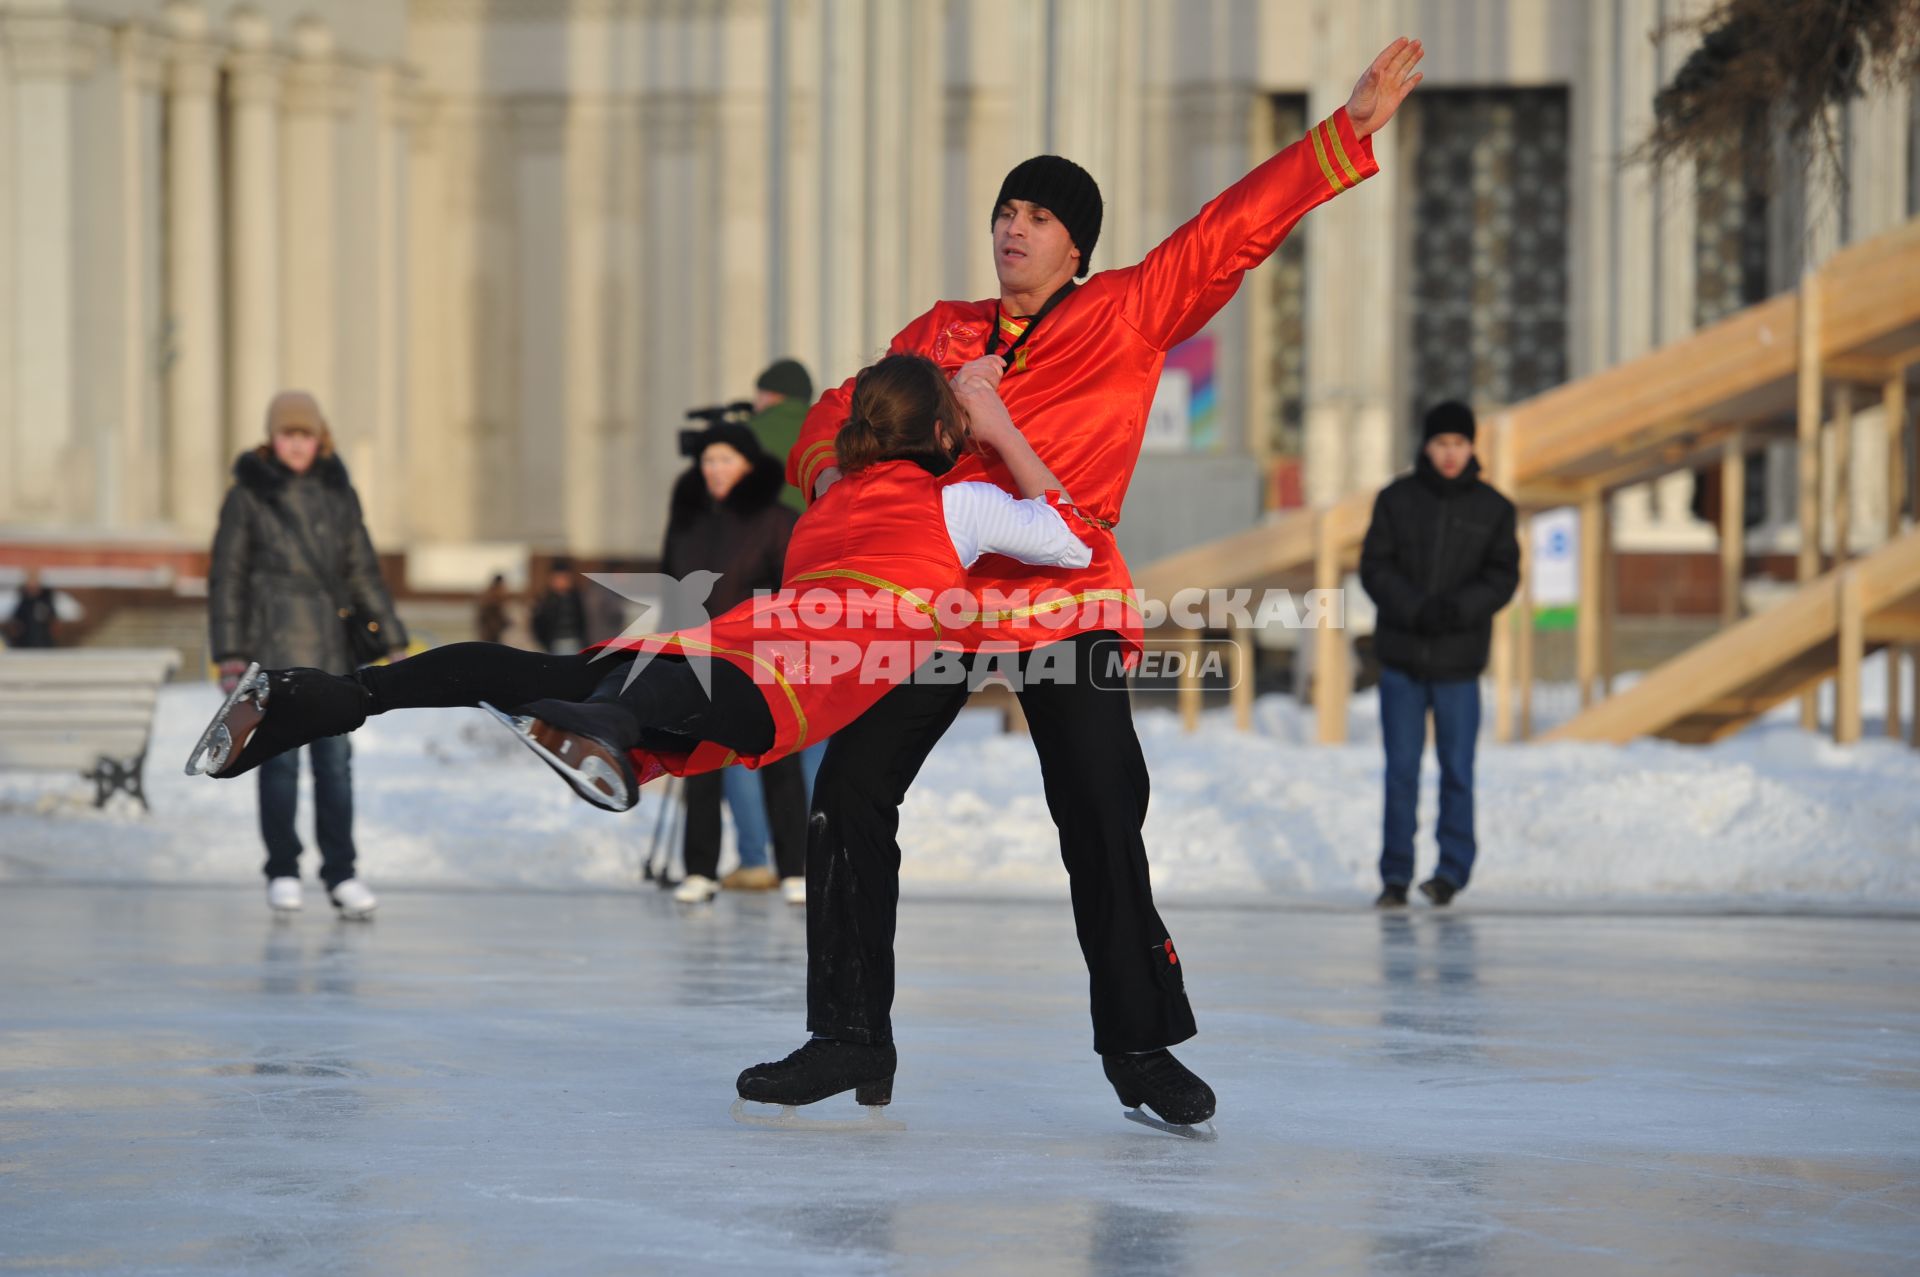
[(985, 519)]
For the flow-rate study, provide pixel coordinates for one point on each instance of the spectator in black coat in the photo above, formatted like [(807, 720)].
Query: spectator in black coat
[(559, 620), (727, 517), (35, 621), (1439, 560)]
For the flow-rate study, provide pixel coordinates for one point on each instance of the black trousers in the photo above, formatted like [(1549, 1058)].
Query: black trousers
[(785, 786), (671, 710), (1096, 787)]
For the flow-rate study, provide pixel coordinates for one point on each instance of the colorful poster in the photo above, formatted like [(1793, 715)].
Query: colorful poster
[(1193, 359)]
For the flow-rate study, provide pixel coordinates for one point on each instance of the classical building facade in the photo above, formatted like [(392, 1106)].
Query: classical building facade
[(509, 242)]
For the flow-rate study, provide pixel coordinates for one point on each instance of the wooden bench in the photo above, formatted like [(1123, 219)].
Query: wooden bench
[(82, 710)]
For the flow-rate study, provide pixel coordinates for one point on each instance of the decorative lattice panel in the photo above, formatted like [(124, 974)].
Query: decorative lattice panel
[(1490, 232), (1284, 279)]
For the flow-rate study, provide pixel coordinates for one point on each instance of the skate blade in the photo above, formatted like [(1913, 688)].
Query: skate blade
[(787, 1118), (585, 781), (1204, 1132), (216, 744)]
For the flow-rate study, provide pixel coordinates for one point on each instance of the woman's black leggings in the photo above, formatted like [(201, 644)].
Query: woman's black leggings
[(666, 698)]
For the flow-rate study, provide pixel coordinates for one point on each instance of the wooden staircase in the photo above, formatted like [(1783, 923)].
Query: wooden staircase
[(1823, 630), (1708, 398)]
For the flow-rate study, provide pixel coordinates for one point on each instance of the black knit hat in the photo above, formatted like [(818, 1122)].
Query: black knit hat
[(735, 435), (1449, 418), (1064, 189), (787, 377)]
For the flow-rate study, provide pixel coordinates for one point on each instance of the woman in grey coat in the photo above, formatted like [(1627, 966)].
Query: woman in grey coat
[(290, 557)]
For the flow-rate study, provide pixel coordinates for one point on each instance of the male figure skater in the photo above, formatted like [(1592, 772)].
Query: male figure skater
[(1080, 367)]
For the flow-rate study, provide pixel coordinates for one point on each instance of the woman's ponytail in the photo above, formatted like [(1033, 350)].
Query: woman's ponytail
[(857, 446), (898, 405)]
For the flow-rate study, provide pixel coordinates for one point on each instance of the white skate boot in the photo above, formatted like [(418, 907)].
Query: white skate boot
[(698, 889), (353, 900)]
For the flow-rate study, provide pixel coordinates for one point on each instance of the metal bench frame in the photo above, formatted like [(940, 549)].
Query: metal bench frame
[(113, 771)]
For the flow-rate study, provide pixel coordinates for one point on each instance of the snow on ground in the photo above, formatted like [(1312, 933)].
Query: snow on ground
[(1772, 817)]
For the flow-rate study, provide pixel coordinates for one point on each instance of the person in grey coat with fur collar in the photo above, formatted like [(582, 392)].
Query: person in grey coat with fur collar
[(291, 553)]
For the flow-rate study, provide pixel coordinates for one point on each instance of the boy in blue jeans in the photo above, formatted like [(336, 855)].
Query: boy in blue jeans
[(1439, 560)]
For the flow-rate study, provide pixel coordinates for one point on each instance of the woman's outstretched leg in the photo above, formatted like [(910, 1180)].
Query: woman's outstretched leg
[(468, 673), (278, 710)]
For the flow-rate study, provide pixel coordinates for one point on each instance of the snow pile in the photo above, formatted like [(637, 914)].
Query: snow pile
[(1773, 816)]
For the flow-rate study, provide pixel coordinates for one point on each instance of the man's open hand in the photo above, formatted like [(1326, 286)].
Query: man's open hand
[(1385, 85)]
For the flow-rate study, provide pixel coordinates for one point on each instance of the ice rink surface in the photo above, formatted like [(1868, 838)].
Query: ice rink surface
[(482, 1082)]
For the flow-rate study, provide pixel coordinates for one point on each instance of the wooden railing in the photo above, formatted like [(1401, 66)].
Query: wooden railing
[(1707, 399)]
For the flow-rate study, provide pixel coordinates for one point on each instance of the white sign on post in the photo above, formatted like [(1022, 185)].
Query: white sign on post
[(1556, 558)]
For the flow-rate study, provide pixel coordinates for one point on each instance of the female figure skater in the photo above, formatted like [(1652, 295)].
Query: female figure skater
[(882, 546)]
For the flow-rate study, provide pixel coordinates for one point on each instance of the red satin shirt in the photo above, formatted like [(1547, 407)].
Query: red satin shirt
[(1082, 386), (870, 590)]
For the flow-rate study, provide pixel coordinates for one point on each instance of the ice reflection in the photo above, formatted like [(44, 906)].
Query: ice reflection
[(1432, 1218), (285, 971), (1126, 1240), (842, 1228), (1430, 975)]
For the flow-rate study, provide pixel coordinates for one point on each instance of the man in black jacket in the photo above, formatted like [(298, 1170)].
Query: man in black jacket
[(1439, 560), (36, 618)]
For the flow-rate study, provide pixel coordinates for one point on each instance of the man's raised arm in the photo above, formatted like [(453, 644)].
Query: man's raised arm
[(1183, 282)]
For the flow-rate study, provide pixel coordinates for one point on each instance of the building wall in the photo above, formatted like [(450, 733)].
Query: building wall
[(510, 242)]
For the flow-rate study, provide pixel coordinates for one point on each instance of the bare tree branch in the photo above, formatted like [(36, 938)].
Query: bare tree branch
[(1775, 67)]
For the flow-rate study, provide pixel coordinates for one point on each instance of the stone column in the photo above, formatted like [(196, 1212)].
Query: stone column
[(309, 217), (889, 237), (745, 233), (1592, 173), (1878, 130), (802, 57), (480, 247), (1634, 268), (1877, 172), (389, 519), (586, 355), (195, 358), (48, 56), (439, 473), (137, 483), (1353, 419), (8, 251), (1675, 197), (1213, 123), (848, 220), (540, 444), (906, 107), (253, 195), (923, 167)]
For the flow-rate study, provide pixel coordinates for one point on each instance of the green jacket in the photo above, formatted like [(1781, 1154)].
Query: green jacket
[(778, 429)]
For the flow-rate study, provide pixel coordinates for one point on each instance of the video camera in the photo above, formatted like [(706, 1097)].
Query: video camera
[(737, 413)]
